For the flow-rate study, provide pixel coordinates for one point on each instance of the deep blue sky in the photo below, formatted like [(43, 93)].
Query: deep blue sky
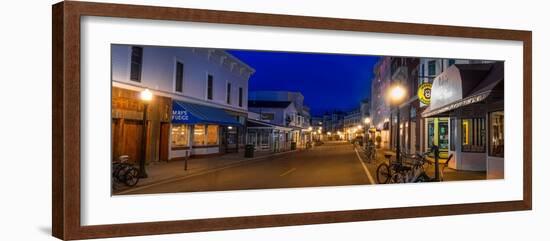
[(327, 81)]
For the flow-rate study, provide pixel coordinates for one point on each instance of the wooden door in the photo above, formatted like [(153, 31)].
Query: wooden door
[(132, 140), (164, 145)]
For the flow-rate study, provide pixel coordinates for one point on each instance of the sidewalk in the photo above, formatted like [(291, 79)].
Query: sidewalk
[(159, 172), (448, 175)]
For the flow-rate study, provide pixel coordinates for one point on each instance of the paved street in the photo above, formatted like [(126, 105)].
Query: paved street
[(331, 164)]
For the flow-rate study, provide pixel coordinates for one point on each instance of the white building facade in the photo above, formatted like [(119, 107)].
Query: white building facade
[(204, 93)]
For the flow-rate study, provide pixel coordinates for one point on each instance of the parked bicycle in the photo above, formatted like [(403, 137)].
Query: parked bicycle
[(409, 169), (122, 171), (370, 151)]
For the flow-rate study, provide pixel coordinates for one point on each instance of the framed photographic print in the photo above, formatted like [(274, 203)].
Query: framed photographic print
[(169, 120)]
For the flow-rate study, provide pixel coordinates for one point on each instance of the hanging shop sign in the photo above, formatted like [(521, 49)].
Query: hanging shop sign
[(425, 93)]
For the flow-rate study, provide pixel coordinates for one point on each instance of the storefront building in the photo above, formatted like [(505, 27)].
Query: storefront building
[(267, 136), (199, 130), (284, 109), (127, 111), (466, 117), (199, 103), (380, 109)]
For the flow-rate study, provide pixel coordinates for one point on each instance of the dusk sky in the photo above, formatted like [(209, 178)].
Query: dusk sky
[(327, 81)]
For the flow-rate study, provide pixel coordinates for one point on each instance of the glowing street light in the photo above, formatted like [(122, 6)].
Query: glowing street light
[(367, 127), (146, 96), (397, 94), (366, 120)]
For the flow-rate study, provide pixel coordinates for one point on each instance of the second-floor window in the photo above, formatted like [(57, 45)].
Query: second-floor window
[(228, 98), (179, 77), (451, 62), (210, 87), (136, 62), (241, 97), (431, 68)]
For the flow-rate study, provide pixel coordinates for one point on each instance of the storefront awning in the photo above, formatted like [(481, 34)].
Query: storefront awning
[(463, 85), (251, 123), (189, 113)]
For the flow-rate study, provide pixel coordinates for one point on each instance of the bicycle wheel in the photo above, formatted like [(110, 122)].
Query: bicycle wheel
[(120, 174), (383, 173), (131, 177), (422, 178)]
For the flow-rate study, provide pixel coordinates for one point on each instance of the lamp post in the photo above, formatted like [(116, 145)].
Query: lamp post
[(367, 129), (397, 94), (146, 96)]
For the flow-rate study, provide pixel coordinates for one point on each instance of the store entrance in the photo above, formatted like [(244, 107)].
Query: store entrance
[(438, 134)]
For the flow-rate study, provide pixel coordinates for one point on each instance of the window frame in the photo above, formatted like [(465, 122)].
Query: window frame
[(476, 133), (139, 71), (240, 96), (209, 89), (187, 129), (434, 67), (228, 93), (177, 62), (490, 131)]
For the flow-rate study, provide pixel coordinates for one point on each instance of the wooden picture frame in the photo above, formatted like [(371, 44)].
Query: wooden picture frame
[(66, 89)]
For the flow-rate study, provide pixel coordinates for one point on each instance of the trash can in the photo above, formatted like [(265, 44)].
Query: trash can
[(293, 145), (249, 151)]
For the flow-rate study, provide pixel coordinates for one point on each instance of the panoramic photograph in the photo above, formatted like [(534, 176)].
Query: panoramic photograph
[(188, 119)]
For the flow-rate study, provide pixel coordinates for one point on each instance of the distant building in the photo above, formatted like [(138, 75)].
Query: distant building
[(317, 127), (269, 125), (199, 105), (286, 109), (353, 125), (333, 122), (404, 72), (302, 111), (380, 109)]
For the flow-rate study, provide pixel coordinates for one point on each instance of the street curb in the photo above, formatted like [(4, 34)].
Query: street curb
[(206, 171)]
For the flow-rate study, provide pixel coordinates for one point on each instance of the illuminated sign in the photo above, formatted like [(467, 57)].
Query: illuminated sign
[(425, 93)]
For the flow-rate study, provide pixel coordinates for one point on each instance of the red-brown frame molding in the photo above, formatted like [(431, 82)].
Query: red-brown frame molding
[(66, 212)]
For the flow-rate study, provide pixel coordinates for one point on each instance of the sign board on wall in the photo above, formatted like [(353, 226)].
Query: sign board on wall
[(425, 93)]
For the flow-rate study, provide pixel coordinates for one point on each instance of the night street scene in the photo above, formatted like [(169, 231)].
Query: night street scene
[(187, 119)]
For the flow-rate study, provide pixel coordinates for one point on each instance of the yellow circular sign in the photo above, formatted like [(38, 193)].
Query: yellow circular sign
[(425, 93)]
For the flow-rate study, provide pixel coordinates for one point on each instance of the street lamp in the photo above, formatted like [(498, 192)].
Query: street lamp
[(397, 94), (367, 127), (146, 96)]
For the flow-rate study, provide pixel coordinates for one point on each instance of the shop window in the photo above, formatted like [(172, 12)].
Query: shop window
[(443, 132), (212, 135), (180, 136), (205, 135), (430, 134), (199, 135), (136, 62), (497, 134), (473, 135)]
